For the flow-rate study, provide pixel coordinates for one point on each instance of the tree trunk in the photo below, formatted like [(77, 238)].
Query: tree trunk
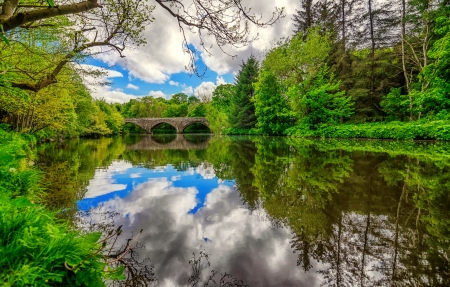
[(372, 55)]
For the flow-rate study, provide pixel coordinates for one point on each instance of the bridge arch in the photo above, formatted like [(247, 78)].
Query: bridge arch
[(178, 123), (156, 125), (193, 123)]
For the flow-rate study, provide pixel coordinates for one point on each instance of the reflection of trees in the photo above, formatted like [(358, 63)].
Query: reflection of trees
[(295, 184), (359, 219), (68, 166), (126, 255), (199, 264)]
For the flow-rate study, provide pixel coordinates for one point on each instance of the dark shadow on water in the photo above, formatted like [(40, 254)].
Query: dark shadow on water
[(197, 138), (164, 138)]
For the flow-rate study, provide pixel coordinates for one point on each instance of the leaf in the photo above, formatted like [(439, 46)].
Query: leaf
[(4, 38), (117, 274), (2, 35), (92, 238), (51, 3), (21, 202)]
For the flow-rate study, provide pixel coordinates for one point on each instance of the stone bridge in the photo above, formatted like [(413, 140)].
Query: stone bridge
[(178, 123), (179, 142)]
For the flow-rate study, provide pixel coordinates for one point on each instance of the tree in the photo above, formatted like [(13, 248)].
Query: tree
[(319, 101), (179, 98), (61, 41), (304, 18), (243, 109), (272, 108), (113, 23)]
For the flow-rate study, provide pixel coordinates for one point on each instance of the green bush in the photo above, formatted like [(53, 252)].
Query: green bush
[(417, 130), (37, 248)]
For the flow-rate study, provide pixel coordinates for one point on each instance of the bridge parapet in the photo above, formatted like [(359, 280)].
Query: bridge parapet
[(178, 123)]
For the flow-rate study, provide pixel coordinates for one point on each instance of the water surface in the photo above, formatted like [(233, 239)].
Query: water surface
[(266, 211)]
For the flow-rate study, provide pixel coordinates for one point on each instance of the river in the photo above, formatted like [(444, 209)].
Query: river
[(262, 211)]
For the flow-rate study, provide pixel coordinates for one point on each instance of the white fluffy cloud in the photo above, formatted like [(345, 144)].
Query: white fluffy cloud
[(204, 91), (102, 91), (187, 89), (133, 87), (239, 241), (222, 63), (157, 94), (172, 83), (163, 55)]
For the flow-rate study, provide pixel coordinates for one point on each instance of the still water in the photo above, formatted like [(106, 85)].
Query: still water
[(263, 211)]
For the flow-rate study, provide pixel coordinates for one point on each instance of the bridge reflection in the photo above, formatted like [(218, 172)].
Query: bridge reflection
[(172, 142)]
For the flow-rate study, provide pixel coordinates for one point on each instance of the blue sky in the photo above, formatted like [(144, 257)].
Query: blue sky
[(176, 84), (124, 180), (158, 68)]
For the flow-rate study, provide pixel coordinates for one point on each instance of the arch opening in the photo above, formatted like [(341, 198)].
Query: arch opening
[(163, 138), (197, 128), (164, 128), (132, 128)]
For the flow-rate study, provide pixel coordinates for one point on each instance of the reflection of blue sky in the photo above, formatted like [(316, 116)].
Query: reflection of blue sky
[(122, 181), (183, 212)]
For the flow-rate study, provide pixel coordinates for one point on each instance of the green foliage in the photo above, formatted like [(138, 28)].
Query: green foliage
[(271, 107), (418, 130), (113, 118), (198, 111), (242, 113), (37, 248), (318, 101)]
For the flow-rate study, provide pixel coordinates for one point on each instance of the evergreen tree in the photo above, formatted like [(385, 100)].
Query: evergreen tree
[(243, 109), (272, 107), (304, 18)]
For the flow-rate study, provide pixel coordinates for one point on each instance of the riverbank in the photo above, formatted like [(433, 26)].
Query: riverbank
[(417, 130), (37, 247)]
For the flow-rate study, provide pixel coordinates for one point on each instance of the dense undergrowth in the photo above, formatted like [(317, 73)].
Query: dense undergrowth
[(37, 248), (417, 130)]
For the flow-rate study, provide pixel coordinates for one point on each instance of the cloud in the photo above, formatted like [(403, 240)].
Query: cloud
[(157, 94), (104, 91), (133, 87), (236, 239), (163, 55), (220, 81), (103, 182), (204, 91), (206, 170), (187, 89), (221, 63), (172, 83)]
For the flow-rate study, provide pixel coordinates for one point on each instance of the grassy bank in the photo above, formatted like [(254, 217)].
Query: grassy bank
[(417, 130), (37, 248)]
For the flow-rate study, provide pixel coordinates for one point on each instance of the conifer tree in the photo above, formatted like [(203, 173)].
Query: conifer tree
[(304, 18), (243, 109)]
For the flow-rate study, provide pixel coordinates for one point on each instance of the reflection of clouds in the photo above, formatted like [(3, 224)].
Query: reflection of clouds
[(159, 168), (103, 182), (135, 175), (238, 242), (175, 178), (190, 171), (206, 170)]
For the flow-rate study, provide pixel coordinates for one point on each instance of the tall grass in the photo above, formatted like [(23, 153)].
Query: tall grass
[(37, 248)]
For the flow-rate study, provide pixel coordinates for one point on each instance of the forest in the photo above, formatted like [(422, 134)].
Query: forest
[(351, 69)]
